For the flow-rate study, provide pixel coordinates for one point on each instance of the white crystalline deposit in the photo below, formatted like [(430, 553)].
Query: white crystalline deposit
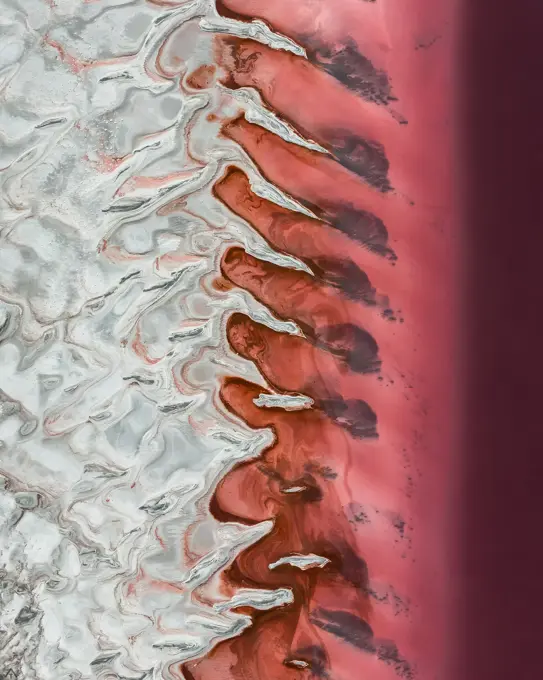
[(111, 339)]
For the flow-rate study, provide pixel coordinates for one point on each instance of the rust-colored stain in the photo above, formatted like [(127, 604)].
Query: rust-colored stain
[(356, 479)]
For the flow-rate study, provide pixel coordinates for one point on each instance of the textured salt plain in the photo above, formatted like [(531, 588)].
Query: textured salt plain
[(112, 345)]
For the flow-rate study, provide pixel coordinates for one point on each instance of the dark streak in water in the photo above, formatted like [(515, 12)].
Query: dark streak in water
[(347, 626), (363, 157), (354, 70), (356, 417), (344, 275), (388, 652), (353, 345), (361, 226)]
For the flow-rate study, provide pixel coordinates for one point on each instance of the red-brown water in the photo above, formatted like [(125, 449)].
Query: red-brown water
[(361, 478)]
